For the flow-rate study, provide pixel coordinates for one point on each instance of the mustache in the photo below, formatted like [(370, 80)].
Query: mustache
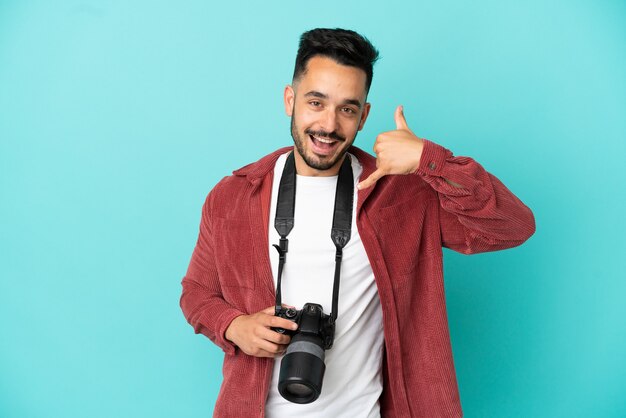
[(323, 134)]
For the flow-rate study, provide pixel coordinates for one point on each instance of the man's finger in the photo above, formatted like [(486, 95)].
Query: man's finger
[(400, 120), (274, 337), (268, 353), (277, 322), (274, 321), (373, 178), (271, 347)]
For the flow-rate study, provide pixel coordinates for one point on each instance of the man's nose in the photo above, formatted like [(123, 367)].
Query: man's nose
[(329, 122)]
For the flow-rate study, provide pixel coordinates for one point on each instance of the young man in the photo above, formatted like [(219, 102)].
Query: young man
[(391, 355)]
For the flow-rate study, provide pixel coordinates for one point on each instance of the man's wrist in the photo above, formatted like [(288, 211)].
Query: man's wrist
[(231, 330)]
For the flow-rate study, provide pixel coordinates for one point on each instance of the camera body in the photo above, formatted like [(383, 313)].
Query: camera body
[(312, 320)]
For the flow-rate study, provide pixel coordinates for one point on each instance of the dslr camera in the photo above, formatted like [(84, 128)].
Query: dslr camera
[(302, 368)]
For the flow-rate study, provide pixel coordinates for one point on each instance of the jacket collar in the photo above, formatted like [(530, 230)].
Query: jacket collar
[(256, 171)]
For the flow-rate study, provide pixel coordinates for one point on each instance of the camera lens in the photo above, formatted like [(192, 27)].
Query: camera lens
[(298, 390), (302, 369)]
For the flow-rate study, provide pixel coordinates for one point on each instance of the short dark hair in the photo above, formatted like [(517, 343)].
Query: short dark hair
[(344, 46)]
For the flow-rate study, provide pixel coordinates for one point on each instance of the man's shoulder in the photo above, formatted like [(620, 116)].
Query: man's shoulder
[(248, 175), (261, 167)]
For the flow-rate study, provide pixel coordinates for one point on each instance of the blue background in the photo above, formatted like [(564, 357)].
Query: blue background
[(117, 118)]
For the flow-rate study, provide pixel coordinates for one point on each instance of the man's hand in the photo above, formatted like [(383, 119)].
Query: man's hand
[(252, 333), (397, 152)]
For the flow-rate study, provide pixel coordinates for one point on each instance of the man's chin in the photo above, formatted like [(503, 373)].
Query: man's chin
[(321, 163)]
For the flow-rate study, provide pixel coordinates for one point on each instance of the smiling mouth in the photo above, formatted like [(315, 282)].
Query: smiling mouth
[(322, 140), (322, 145)]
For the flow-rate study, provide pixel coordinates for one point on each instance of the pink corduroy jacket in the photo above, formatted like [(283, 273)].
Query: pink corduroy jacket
[(404, 221)]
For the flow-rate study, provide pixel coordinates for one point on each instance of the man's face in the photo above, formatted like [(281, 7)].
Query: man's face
[(327, 108)]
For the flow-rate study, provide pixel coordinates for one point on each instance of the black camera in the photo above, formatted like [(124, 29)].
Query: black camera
[(302, 368)]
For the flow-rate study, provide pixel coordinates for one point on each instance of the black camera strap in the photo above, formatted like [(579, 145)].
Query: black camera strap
[(342, 221)]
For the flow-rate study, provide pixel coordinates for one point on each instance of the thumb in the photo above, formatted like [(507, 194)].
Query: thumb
[(400, 120), (373, 178)]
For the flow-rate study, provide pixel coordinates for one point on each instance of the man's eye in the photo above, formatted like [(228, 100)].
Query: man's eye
[(348, 110), (315, 103)]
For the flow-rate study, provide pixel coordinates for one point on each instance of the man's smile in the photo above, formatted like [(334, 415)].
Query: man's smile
[(324, 140), (322, 145)]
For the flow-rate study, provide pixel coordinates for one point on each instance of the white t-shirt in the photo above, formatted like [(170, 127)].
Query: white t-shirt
[(353, 378)]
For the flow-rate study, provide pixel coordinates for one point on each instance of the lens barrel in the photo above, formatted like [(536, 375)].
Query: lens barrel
[(302, 369)]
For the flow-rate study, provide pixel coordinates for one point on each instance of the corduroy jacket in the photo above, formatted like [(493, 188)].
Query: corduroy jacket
[(404, 221)]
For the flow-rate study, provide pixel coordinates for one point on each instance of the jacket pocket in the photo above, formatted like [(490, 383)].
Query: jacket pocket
[(233, 252), (400, 233)]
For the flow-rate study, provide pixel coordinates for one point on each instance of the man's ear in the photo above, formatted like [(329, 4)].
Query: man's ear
[(289, 97), (366, 111)]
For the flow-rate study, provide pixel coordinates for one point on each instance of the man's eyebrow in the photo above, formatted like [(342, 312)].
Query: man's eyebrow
[(319, 95), (353, 102)]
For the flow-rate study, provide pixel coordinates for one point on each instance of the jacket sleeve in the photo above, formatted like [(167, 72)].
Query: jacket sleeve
[(482, 215), (201, 301)]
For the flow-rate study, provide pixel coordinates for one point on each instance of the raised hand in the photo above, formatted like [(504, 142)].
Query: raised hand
[(252, 333), (397, 152)]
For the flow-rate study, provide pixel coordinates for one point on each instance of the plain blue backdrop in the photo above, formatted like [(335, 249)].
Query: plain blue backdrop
[(117, 118)]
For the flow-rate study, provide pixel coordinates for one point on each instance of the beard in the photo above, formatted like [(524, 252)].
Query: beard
[(309, 158)]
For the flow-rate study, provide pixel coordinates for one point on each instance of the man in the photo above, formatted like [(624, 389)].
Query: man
[(391, 356)]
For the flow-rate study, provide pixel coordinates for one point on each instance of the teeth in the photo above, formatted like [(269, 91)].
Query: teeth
[(326, 141)]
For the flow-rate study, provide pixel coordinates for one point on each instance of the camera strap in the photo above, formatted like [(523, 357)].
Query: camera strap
[(342, 221)]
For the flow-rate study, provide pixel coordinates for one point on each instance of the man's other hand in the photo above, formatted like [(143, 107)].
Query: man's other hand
[(252, 333), (397, 152)]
